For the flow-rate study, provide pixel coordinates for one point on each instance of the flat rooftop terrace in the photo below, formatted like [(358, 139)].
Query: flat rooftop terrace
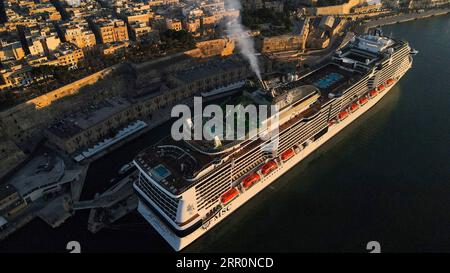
[(91, 115), (212, 68)]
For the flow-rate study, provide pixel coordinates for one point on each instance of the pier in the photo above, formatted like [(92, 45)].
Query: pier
[(113, 204)]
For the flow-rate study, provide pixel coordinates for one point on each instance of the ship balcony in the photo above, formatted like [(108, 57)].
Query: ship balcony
[(179, 214)]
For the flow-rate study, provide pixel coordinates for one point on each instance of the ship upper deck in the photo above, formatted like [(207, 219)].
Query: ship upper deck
[(178, 165)]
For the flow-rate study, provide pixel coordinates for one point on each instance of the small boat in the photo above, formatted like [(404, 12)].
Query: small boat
[(363, 100), (343, 115), (125, 168), (380, 87), (250, 180), (269, 167), (354, 107), (286, 155), (229, 196), (389, 82), (373, 93)]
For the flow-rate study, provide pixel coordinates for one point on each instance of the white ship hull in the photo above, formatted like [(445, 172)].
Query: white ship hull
[(179, 243)]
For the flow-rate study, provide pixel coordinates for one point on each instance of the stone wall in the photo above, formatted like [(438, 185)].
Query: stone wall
[(25, 120), (281, 43), (337, 9), (223, 47), (10, 154)]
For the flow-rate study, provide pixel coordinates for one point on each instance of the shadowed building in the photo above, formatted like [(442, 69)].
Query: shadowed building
[(10, 200), (78, 33)]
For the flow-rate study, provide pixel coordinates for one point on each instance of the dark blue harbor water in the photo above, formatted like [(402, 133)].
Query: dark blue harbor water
[(384, 178)]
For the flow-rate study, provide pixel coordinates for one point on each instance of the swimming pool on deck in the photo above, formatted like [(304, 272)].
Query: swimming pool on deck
[(328, 80), (161, 171)]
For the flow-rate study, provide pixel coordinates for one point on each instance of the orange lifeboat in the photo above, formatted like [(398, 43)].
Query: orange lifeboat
[(269, 167), (286, 155), (354, 107), (381, 87), (389, 82), (342, 115), (250, 180), (373, 93), (229, 195), (363, 100)]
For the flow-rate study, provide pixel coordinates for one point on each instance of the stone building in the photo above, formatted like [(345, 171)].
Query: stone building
[(319, 40), (14, 74), (78, 33), (222, 47), (279, 43), (327, 22), (109, 30), (116, 48), (10, 200), (11, 50), (174, 24), (209, 75), (367, 8), (68, 55), (25, 121), (94, 122), (192, 25), (276, 6), (140, 31), (39, 39)]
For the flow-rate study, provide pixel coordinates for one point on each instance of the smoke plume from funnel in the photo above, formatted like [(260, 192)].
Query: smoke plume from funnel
[(244, 40)]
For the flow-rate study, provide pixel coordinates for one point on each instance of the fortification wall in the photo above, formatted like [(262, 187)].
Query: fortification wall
[(337, 9), (23, 121), (10, 155)]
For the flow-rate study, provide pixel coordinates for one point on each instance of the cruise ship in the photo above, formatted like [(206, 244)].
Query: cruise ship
[(187, 187)]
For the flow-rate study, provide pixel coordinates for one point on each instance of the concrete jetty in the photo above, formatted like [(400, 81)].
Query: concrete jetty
[(111, 205)]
